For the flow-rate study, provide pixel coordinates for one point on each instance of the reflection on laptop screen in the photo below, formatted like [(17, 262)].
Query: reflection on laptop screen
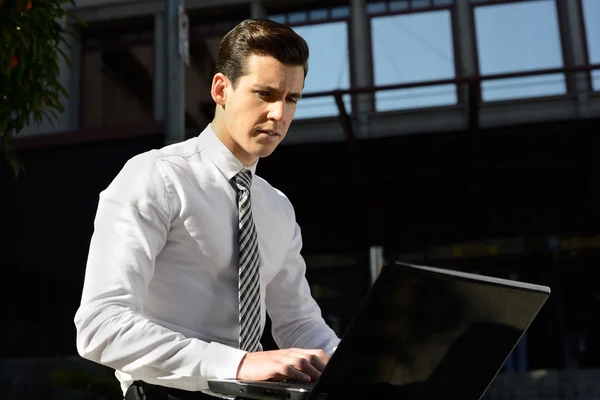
[(426, 335)]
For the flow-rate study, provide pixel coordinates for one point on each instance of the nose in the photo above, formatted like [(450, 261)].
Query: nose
[(276, 110)]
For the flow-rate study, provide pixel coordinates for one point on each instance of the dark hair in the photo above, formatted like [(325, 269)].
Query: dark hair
[(261, 37)]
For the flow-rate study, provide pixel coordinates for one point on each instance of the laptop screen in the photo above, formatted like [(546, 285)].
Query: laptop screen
[(427, 335)]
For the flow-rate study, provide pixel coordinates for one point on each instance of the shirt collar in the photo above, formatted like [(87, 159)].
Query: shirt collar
[(221, 156)]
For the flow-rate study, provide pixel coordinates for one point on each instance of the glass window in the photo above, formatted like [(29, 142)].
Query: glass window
[(398, 5), (117, 86), (421, 3), (591, 12), (318, 15), (278, 18), (340, 12), (298, 17), (413, 48), (376, 8), (515, 37), (328, 68)]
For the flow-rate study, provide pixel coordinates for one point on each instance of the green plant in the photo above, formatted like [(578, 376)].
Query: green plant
[(32, 33)]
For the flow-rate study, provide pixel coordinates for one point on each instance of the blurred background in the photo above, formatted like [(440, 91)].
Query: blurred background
[(462, 134)]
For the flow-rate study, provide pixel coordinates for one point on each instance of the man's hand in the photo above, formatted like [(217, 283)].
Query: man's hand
[(298, 364)]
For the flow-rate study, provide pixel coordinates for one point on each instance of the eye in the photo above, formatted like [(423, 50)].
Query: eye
[(292, 100), (262, 93)]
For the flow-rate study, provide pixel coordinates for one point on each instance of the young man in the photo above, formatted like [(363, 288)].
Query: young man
[(191, 248)]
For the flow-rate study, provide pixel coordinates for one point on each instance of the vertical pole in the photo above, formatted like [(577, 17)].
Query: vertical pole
[(570, 16), (361, 60), (175, 79), (159, 66), (257, 10), (463, 25)]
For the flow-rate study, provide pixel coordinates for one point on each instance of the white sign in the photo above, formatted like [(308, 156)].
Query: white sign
[(184, 36)]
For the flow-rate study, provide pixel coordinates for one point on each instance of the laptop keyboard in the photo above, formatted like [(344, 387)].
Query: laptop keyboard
[(288, 383)]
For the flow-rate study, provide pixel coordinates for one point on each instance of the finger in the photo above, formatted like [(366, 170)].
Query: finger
[(317, 352), (278, 378), (313, 360), (318, 358), (318, 363), (292, 373), (304, 364)]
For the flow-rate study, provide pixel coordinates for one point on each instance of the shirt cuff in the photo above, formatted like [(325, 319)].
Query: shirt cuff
[(331, 351), (221, 361)]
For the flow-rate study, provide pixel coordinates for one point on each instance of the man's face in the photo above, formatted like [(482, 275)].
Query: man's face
[(259, 110)]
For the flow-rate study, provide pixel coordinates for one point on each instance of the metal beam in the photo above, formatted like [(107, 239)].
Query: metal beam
[(109, 10), (345, 120), (103, 10)]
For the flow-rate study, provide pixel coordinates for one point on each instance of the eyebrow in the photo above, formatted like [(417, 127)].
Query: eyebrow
[(273, 89)]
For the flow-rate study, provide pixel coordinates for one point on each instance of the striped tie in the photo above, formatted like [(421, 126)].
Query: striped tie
[(249, 260)]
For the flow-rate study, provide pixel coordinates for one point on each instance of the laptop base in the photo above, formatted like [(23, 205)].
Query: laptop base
[(261, 390)]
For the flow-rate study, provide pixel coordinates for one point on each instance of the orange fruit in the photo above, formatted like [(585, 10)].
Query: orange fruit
[(15, 61), (29, 5)]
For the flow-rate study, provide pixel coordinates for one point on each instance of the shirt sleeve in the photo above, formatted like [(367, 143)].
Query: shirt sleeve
[(130, 229), (296, 317)]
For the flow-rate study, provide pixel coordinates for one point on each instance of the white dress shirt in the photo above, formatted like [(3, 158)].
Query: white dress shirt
[(160, 298)]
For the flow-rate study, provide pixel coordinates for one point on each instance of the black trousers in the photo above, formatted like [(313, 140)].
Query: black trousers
[(140, 390)]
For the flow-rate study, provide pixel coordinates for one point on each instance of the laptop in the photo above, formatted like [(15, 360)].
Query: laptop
[(421, 333)]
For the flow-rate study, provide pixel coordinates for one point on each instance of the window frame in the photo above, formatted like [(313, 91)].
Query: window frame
[(455, 39), (561, 33)]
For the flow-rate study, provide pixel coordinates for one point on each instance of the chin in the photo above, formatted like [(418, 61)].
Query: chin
[(264, 152)]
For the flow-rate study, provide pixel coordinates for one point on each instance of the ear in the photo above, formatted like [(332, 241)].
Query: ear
[(219, 88)]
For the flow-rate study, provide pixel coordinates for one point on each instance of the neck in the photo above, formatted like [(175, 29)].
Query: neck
[(220, 129)]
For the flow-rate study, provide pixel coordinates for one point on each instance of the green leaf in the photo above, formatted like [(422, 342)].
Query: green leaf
[(7, 34), (4, 120), (59, 107), (37, 99), (62, 89), (12, 160), (8, 64), (40, 12), (19, 122), (35, 50), (75, 18), (22, 38), (42, 30), (66, 58), (65, 40), (52, 117)]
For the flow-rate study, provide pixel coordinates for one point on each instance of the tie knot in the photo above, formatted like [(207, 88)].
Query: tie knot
[(243, 180)]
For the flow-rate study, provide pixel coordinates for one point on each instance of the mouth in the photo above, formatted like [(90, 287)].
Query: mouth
[(272, 133)]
